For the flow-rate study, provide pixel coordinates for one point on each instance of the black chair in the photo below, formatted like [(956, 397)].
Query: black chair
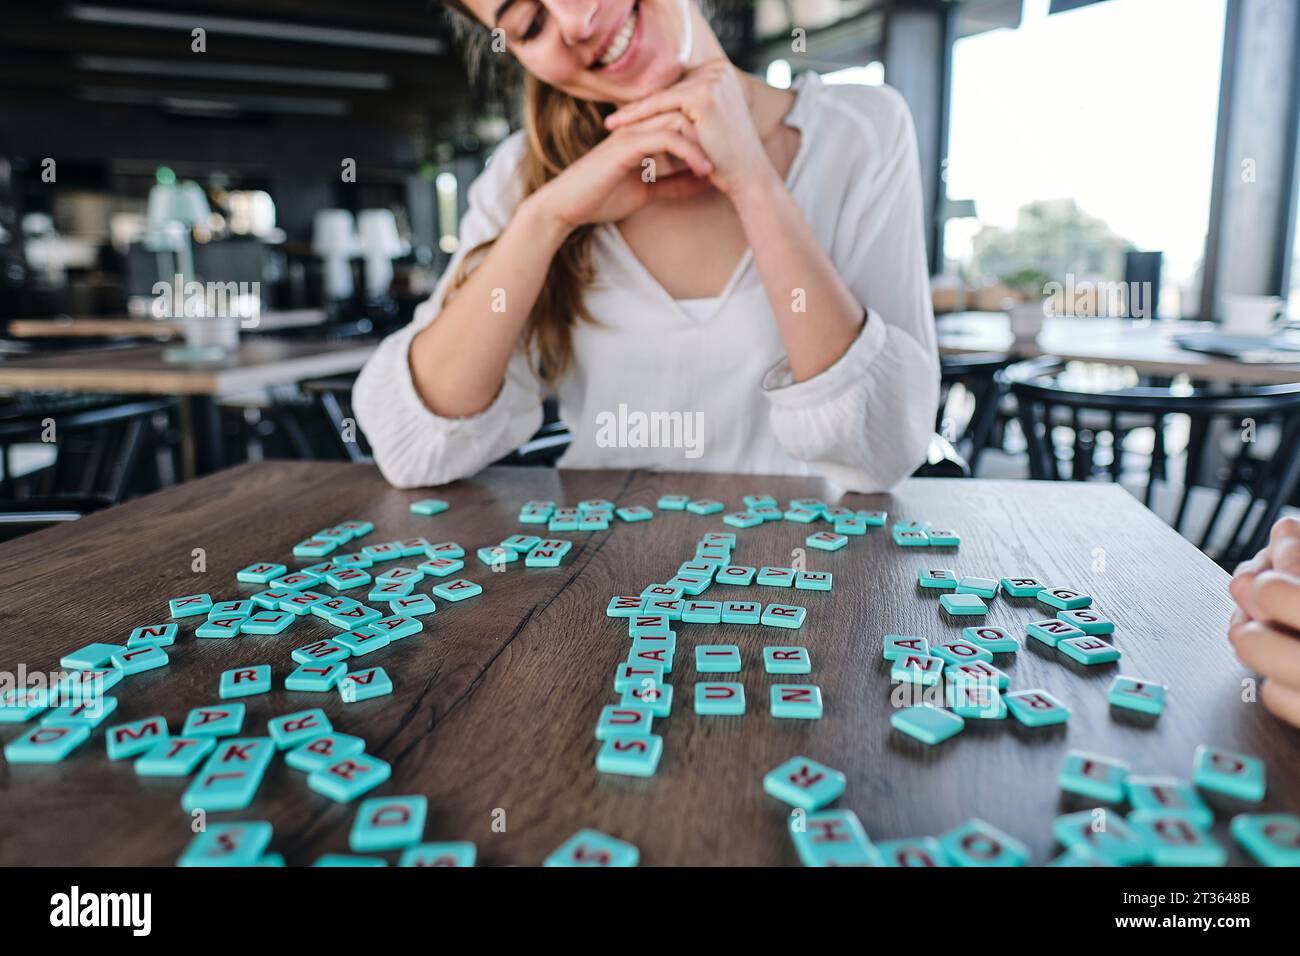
[(942, 460), (102, 445), (977, 374), (1062, 426)]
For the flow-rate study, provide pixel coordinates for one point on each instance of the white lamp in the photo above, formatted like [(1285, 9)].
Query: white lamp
[(174, 210), (334, 239), (380, 245)]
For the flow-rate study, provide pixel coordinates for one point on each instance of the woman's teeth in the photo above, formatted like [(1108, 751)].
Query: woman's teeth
[(618, 46)]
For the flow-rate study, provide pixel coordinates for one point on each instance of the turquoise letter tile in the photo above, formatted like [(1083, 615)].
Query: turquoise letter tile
[(350, 777), (977, 843), (741, 612), (1022, 587), (1168, 795), (128, 740), (631, 755), (1051, 631), (615, 720), (457, 590), (938, 579), (192, 605), (1088, 621), (1133, 693), (322, 752), (135, 660), (95, 655), (593, 848), (719, 698), (717, 659), (388, 823), (1088, 650), (784, 615), (1222, 771), (804, 783), (986, 588), (46, 743), (1174, 840), (917, 851), (227, 844), (1064, 599), (1097, 778), (832, 838), (364, 684), (439, 854), (930, 725), (174, 757), (1037, 708), (317, 678), (291, 730), (798, 701), (963, 605), (996, 640), (221, 720), (898, 646), (162, 635), (786, 660), (1273, 839), (245, 681)]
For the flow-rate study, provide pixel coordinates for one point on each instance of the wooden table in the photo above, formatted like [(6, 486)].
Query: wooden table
[(258, 363), (82, 328), (1148, 347), (495, 703)]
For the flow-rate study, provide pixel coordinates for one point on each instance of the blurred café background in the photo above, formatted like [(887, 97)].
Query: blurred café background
[(211, 211)]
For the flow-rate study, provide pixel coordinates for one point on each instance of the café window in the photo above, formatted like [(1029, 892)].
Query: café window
[(1081, 144)]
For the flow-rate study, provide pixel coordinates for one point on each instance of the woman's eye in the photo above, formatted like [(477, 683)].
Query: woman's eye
[(534, 26)]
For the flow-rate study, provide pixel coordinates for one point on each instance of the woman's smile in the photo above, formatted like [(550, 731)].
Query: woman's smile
[(606, 51), (619, 52)]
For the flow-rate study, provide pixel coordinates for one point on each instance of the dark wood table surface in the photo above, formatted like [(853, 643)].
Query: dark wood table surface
[(495, 703)]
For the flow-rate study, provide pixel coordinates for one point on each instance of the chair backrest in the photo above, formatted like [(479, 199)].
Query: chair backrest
[(1044, 404), (99, 443)]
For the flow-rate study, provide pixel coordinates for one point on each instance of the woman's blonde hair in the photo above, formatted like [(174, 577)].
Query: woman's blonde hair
[(561, 130)]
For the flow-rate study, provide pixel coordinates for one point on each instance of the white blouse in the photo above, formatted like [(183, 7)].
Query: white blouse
[(704, 384)]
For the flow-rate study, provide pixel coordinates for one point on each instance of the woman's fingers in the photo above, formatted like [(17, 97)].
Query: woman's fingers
[(673, 98), (646, 145), (1276, 599), (1282, 701), (681, 186), (1284, 528), (1268, 651), (1284, 556), (674, 120)]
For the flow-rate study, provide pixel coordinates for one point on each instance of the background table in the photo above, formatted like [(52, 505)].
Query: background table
[(1147, 347), (126, 326), (496, 701), (257, 364)]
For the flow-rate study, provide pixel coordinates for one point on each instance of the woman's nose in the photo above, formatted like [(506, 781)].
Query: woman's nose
[(575, 18)]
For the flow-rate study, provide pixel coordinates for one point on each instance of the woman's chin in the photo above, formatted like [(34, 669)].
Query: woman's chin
[(659, 76)]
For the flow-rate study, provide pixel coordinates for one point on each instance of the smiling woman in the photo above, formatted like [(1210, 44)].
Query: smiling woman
[(670, 234)]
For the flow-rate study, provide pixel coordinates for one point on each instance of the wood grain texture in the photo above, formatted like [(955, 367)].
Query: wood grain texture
[(1148, 348), (495, 703), (144, 371)]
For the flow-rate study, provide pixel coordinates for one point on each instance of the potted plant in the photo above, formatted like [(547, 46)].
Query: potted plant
[(1028, 306)]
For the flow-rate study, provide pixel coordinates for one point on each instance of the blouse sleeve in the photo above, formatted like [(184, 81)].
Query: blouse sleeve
[(414, 447), (866, 422)]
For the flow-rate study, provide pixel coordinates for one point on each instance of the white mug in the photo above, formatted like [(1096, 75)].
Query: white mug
[(1251, 314)]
